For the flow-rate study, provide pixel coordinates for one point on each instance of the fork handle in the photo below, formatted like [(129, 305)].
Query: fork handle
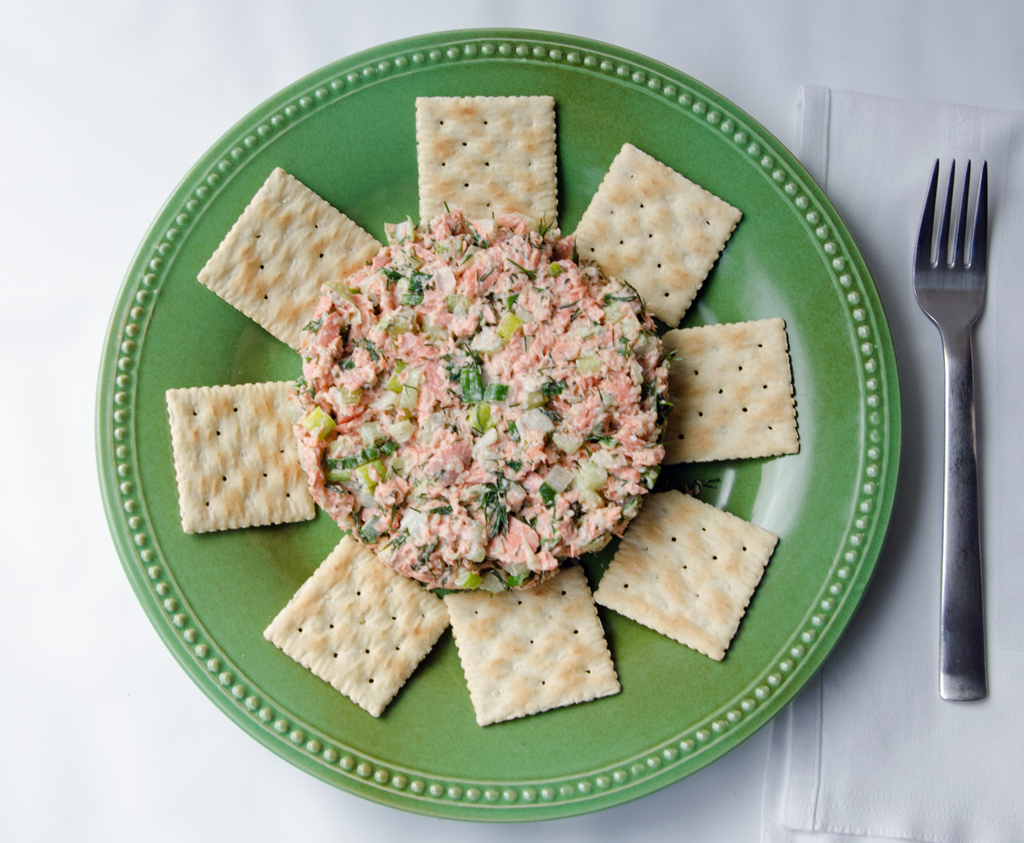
[(962, 644)]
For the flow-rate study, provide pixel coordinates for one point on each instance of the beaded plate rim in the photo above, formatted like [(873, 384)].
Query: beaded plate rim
[(419, 791)]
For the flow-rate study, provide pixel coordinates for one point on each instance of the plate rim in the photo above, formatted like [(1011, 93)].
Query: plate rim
[(124, 504)]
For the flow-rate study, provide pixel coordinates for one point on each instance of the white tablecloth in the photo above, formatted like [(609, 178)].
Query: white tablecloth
[(869, 750), (104, 107)]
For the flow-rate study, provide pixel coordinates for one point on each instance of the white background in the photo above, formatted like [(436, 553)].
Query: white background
[(103, 108)]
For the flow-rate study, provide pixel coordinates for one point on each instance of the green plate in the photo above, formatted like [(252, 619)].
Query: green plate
[(348, 132)]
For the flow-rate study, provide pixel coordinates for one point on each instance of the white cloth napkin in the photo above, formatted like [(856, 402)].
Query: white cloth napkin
[(868, 751)]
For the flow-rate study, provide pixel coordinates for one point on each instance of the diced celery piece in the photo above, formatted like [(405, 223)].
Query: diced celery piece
[(393, 383), (468, 579), (459, 305), (534, 400), (508, 325), (338, 475), (481, 417), (370, 474), (522, 314), (588, 365), (410, 398), (345, 396), (554, 270), (318, 422), (402, 431)]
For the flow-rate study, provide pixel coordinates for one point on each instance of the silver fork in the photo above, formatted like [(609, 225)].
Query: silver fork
[(951, 291)]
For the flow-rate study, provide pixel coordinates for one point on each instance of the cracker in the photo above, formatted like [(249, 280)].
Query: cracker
[(532, 650), (654, 228), (358, 625), (285, 245), (731, 387), (687, 570), (235, 457), (487, 156)]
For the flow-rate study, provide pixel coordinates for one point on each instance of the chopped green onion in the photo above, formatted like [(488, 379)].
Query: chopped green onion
[(496, 392), (516, 580), (472, 384), (552, 388), (414, 289), (513, 433), (547, 494), (554, 270)]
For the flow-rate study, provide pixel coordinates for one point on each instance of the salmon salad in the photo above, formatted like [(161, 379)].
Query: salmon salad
[(477, 404)]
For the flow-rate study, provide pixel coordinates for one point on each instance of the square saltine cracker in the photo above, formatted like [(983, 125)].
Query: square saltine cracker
[(687, 569), (533, 649), (360, 626), (655, 229), (235, 457), (285, 245), (731, 387), (487, 156)]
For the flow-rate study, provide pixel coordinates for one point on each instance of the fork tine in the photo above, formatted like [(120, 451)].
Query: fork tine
[(961, 221), (979, 239), (942, 257), (924, 238)]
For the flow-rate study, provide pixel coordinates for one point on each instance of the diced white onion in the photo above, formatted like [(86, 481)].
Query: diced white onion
[(402, 431), (491, 583), (488, 341), (536, 420), (559, 478), (591, 476), (371, 432), (566, 442)]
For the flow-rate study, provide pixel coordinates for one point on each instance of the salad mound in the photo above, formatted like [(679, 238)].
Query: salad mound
[(477, 404)]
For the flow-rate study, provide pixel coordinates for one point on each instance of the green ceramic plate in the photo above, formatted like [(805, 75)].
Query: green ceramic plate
[(347, 131)]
